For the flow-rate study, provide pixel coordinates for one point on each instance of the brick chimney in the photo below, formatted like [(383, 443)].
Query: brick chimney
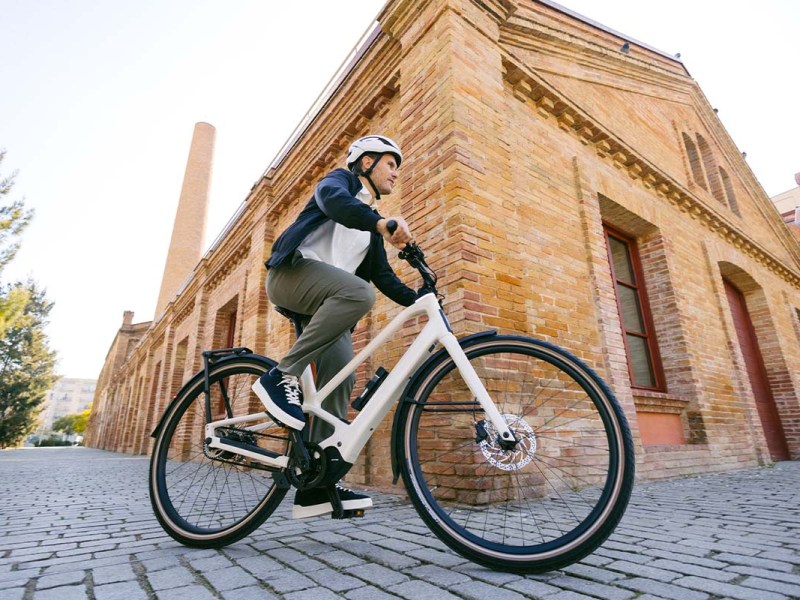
[(188, 232)]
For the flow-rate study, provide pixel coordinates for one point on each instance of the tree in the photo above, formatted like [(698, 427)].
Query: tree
[(14, 218), (13, 300), (65, 424), (27, 368), (74, 423), (27, 364)]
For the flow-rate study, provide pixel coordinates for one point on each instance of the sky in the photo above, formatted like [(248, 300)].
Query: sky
[(98, 101)]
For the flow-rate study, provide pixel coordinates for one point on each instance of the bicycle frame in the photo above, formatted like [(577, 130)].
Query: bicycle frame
[(350, 438), (463, 483)]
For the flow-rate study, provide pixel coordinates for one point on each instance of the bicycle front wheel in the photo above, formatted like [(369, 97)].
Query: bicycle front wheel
[(208, 498), (541, 505)]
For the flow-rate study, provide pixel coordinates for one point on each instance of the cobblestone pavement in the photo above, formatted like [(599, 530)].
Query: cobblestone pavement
[(76, 523)]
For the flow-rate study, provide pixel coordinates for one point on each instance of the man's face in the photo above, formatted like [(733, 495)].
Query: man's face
[(384, 174)]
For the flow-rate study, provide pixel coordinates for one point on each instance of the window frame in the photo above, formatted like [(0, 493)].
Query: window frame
[(640, 289)]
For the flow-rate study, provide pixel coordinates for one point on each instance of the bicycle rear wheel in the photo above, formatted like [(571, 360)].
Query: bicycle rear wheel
[(542, 505), (209, 498)]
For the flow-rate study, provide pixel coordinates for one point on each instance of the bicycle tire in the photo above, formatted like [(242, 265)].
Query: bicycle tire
[(544, 505), (202, 497)]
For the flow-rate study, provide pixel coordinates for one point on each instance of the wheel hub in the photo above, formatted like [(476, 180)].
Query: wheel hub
[(516, 458)]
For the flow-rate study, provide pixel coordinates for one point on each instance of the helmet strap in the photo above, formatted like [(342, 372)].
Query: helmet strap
[(367, 174)]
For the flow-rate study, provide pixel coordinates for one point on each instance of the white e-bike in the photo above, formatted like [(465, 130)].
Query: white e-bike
[(512, 450)]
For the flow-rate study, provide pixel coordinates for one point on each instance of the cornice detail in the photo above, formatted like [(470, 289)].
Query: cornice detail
[(233, 260), (184, 313), (546, 30), (527, 87), (357, 125), (336, 147)]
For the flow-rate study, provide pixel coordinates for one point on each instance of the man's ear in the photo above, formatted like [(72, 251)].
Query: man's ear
[(366, 162)]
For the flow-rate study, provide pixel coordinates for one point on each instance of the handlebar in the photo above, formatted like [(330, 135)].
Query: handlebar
[(414, 256)]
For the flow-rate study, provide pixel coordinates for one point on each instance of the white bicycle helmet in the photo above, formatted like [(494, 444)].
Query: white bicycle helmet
[(372, 143)]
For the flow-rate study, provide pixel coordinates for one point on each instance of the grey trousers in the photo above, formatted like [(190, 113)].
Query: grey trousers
[(335, 301)]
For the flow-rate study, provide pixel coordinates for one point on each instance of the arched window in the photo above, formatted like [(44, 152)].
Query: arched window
[(694, 162), (711, 168), (729, 193)]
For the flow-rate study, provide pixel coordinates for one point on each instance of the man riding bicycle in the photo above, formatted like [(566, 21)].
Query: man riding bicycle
[(321, 266)]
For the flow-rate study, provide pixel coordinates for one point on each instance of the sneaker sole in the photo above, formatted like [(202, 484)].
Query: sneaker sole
[(304, 512), (274, 410)]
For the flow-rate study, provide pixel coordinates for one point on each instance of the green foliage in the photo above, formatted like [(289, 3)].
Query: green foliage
[(12, 305), (49, 442), (14, 218), (27, 364), (27, 367), (75, 423), (65, 424), (82, 420)]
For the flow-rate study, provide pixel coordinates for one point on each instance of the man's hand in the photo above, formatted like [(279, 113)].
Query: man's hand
[(400, 237)]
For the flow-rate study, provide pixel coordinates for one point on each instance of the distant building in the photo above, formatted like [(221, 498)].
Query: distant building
[(67, 397), (788, 204)]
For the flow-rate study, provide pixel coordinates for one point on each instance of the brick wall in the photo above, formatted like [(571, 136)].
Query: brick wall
[(525, 131)]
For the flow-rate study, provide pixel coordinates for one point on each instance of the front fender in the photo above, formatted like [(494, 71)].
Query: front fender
[(197, 379), (405, 399)]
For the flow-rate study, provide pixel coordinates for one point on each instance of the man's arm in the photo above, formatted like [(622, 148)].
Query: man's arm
[(334, 198), (384, 277)]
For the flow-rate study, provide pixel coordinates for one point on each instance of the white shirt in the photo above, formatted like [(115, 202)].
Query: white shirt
[(337, 245)]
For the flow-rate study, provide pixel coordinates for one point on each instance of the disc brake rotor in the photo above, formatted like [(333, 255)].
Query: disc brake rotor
[(516, 458)]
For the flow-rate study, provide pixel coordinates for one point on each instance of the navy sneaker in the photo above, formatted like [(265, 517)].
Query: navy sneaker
[(281, 394), (314, 502)]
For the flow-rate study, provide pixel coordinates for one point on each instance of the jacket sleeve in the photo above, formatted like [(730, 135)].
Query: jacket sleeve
[(384, 278), (337, 202)]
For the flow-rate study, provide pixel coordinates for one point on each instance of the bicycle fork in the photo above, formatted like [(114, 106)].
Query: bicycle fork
[(506, 437)]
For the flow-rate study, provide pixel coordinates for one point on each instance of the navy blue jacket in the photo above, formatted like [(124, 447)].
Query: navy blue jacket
[(334, 199)]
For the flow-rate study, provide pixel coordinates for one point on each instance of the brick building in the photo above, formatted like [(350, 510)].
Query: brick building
[(567, 183)]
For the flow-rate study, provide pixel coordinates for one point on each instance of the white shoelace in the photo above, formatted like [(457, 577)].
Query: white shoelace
[(291, 386)]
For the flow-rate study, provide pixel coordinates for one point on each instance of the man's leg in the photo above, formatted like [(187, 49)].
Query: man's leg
[(334, 298), (328, 364)]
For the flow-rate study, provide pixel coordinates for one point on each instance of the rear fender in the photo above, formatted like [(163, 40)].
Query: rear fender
[(197, 379)]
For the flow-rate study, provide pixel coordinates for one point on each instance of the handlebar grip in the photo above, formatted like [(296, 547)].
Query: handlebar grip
[(391, 226)]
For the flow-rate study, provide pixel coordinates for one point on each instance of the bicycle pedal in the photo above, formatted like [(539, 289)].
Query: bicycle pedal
[(349, 514)]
